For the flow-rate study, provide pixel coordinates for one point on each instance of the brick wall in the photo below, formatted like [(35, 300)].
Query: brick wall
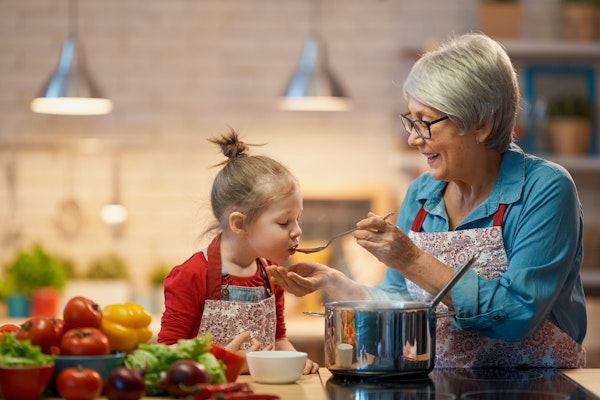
[(181, 71)]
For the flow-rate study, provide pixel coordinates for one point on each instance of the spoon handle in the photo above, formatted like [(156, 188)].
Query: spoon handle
[(459, 273)]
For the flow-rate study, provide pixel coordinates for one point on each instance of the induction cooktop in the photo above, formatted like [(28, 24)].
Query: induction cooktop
[(457, 383)]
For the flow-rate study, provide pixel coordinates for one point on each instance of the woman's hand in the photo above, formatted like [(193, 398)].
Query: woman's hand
[(305, 277), (300, 279), (386, 242)]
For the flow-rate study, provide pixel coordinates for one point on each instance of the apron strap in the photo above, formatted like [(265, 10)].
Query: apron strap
[(417, 224), (263, 274), (499, 215), (213, 273)]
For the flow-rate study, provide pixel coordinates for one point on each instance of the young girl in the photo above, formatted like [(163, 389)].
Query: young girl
[(224, 289)]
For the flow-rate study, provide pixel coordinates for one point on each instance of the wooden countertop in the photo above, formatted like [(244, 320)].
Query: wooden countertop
[(589, 378), (312, 387)]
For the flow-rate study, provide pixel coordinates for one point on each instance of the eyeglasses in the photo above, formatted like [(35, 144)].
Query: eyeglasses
[(422, 128)]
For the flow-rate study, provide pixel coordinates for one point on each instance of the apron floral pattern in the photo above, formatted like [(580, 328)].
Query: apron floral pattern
[(547, 347), (225, 319)]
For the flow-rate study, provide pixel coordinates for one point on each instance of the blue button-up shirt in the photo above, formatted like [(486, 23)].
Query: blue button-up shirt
[(542, 232)]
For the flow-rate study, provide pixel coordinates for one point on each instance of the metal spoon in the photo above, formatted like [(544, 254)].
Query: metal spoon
[(326, 245)]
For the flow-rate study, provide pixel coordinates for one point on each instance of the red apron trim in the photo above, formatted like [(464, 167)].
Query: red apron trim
[(499, 215), (213, 274), (417, 224)]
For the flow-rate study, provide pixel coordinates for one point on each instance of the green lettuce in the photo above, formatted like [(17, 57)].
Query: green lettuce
[(216, 368), (21, 353), (154, 360)]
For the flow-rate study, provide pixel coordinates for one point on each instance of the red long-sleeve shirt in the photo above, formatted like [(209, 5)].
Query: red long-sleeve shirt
[(185, 293)]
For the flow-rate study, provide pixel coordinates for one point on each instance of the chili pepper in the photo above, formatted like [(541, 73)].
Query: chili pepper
[(250, 396), (207, 391), (126, 325)]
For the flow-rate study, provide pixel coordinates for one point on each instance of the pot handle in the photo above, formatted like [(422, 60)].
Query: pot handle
[(313, 314)]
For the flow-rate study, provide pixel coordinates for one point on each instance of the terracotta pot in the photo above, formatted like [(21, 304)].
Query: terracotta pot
[(44, 302), (500, 21), (18, 306), (569, 135), (580, 22)]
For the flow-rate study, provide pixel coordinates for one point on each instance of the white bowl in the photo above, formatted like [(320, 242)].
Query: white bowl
[(276, 366)]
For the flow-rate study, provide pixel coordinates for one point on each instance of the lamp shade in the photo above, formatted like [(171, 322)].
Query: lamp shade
[(71, 90), (314, 86)]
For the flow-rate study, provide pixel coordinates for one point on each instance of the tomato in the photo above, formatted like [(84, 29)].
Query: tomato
[(42, 331), (9, 328), (233, 362), (84, 341), (81, 312), (79, 383)]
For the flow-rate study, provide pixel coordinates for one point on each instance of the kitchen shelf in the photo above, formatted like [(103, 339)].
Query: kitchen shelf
[(591, 281), (579, 164), (557, 50)]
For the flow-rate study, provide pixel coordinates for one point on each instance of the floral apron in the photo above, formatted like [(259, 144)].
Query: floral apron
[(547, 347), (229, 311)]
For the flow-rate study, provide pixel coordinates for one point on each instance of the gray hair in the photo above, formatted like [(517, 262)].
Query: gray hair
[(471, 79)]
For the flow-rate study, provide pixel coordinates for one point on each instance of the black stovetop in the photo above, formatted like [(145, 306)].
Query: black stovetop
[(456, 381)]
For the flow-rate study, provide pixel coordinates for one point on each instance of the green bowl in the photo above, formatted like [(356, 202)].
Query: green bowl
[(104, 365)]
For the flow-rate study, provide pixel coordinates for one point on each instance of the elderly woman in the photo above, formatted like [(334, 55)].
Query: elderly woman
[(522, 302)]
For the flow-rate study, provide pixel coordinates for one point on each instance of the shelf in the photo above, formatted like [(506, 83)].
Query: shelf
[(591, 282), (559, 50), (588, 164), (555, 49)]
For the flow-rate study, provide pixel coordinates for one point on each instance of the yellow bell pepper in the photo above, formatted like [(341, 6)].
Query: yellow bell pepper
[(126, 325)]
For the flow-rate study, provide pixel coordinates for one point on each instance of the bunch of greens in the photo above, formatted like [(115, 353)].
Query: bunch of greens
[(154, 360), (21, 353)]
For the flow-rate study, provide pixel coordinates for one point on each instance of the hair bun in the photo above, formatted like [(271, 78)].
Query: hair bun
[(231, 145)]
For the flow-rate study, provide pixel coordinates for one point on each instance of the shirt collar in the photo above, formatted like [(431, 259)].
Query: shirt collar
[(507, 189)]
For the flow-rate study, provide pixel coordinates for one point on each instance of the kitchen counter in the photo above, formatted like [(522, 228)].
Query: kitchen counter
[(580, 384), (589, 378), (313, 387)]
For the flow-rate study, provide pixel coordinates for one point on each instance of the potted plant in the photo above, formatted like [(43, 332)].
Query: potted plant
[(106, 281), (580, 19), (157, 277), (570, 124), (500, 19), (33, 281)]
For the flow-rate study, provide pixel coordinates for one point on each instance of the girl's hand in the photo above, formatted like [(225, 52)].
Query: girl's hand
[(237, 342), (235, 347), (310, 367)]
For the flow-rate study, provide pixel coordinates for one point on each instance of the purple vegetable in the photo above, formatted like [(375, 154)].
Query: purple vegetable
[(124, 384), (182, 375)]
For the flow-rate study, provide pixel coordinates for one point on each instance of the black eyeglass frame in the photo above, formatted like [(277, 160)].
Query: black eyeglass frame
[(414, 127)]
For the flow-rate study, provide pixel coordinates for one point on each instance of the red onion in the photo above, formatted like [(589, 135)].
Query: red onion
[(124, 384), (182, 374)]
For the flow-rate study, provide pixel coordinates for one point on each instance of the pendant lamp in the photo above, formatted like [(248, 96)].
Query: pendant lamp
[(71, 89), (314, 86), (114, 214)]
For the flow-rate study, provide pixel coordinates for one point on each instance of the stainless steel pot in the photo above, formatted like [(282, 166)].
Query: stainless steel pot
[(383, 338)]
